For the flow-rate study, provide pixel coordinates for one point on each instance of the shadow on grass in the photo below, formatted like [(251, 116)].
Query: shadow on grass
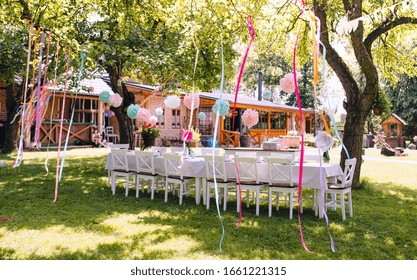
[(88, 222)]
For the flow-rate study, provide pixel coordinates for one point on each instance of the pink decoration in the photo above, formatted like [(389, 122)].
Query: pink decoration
[(144, 115), (187, 136), (153, 120), (188, 99), (287, 83), (250, 117), (115, 100)]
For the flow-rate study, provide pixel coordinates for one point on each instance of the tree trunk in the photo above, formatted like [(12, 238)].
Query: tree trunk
[(126, 126), (11, 128)]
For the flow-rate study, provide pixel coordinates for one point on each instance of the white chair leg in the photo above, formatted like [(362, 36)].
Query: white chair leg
[(113, 184), (166, 190), (137, 181), (181, 192), (350, 204), (127, 185), (342, 205), (257, 201), (208, 195), (225, 193), (269, 203)]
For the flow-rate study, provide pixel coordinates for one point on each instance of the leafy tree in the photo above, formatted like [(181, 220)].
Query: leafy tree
[(404, 99), (377, 50)]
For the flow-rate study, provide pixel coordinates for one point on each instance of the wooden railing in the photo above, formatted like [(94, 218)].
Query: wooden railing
[(228, 137)]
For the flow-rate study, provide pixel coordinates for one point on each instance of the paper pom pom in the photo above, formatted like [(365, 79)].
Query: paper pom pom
[(144, 115), (153, 120), (133, 110), (159, 111), (187, 135), (287, 83), (104, 96), (172, 101), (201, 116), (323, 141), (250, 117), (221, 107), (188, 100), (266, 94), (115, 100)]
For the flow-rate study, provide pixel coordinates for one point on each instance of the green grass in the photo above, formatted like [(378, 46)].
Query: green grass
[(88, 222)]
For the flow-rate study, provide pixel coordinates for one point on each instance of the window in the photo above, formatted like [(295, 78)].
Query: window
[(278, 120), (161, 120), (205, 126), (263, 120), (175, 119)]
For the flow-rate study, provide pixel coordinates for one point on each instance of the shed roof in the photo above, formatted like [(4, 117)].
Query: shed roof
[(396, 117)]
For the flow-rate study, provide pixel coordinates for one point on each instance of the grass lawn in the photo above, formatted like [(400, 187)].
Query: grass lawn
[(88, 222)]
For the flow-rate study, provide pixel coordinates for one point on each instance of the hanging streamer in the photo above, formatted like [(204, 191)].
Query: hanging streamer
[(80, 72), (53, 106), (39, 90), (252, 37), (25, 88), (62, 122)]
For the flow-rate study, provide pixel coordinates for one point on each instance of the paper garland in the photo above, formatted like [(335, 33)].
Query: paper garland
[(133, 110), (115, 100), (202, 116), (104, 96), (221, 107), (172, 101), (250, 117), (159, 111)]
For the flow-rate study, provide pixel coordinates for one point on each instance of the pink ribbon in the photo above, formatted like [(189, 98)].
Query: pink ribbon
[(252, 35)]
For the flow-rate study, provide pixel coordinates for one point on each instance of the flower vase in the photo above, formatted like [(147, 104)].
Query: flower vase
[(148, 142)]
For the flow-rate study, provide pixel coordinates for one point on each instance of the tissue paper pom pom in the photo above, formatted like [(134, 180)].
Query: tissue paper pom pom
[(144, 115), (188, 100), (104, 96), (201, 116), (159, 111), (153, 120), (323, 141), (172, 101), (287, 83), (187, 135), (133, 110), (266, 94), (250, 117), (115, 100), (221, 107)]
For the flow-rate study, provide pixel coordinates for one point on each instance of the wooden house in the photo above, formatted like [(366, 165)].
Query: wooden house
[(90, 113), (393, 129)]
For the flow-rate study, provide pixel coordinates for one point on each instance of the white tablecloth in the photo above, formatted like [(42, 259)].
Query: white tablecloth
[(195, 167)]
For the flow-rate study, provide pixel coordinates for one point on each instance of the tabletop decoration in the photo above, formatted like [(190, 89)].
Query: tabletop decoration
[(189, 99), (190, 136), (115, 100), (133, 110), (172, 101), (149, 133)]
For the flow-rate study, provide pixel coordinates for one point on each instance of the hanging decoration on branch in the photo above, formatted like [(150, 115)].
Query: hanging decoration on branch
[(172, 101), (221, 107), (192, 101), (144, 115), (202, 116), (324, 141), (346, 26), (250, 117), (159, 111), (287, 83), (104, 96), (133, 110), (115, 100), (153, 120)]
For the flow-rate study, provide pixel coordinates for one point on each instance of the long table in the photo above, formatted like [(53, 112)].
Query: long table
[(195, 167)]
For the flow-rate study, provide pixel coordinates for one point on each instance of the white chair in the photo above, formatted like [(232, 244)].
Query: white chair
[(249, 182), (110, 135), (174, 178), (145, 172), (121, 169), (109, 171), (216, 175), (280, 174), (335, 192)]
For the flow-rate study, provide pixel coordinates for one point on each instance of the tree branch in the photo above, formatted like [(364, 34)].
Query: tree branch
[(385, 27)]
